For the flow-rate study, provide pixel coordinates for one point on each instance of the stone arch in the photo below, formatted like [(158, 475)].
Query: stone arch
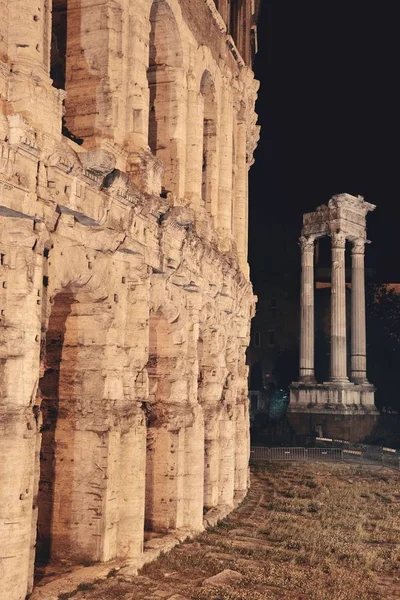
[(90, 477), (204, 104), (209, 186), (167, 95), (73, 456)]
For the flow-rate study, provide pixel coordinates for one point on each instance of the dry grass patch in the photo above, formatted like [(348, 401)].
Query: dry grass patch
[(305, 532)]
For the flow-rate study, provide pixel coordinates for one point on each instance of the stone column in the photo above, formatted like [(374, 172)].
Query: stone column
[(225, 170), (307, 310), (29, 35), (194, 144), (239, 220), (338, 310), (358, 334)]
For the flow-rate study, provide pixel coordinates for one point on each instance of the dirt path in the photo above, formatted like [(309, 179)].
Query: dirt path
[(305, 532)]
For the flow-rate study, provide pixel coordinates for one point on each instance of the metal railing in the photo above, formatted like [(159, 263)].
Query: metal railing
[(374, 455), (258, 453)]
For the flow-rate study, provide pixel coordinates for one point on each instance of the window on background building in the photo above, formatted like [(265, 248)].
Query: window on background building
[(271, 338), (257, 339), (253, 403)]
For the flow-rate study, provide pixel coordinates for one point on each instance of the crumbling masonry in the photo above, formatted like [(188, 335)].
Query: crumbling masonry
[(127, 129)]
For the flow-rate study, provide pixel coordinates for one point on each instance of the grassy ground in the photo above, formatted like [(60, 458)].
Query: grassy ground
[(305, 532)]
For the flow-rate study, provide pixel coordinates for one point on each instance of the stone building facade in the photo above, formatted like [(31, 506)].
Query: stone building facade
[(127, 128)]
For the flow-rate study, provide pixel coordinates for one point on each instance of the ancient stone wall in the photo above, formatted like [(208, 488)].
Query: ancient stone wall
[(125, 303)]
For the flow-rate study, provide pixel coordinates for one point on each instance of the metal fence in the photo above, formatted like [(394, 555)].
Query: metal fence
[(374, 455), (258, 453)]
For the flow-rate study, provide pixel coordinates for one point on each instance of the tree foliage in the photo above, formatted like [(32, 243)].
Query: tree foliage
[(383, 344)]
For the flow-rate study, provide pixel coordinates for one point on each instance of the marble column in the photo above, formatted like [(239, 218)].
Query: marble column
[(307, 310), (358, 331), (338, 310)]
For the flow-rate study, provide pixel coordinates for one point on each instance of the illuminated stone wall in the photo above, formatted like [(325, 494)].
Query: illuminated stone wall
[(127, 128)]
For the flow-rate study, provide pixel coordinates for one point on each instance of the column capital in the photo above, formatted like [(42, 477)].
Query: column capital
[(307, 243), (338, 239), (358, 246)]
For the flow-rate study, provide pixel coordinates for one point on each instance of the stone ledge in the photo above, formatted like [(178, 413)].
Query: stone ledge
[(328, 385), (68, 582), (333, 409)]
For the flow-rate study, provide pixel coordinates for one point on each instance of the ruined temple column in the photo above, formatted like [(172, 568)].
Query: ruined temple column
[(307, 310), (338, 310), (358, 333)]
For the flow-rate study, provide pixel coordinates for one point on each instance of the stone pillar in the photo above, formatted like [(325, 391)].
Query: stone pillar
[(225, 170), (242, 451), (165, 466), (29, 36), (194, 145), (338, 310), (131, 492), (358, 333), (226, 458), (240, 209), (307, 310), (211, 458), (193, 483)]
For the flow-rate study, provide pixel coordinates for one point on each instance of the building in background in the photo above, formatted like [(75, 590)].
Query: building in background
[(127, 129)]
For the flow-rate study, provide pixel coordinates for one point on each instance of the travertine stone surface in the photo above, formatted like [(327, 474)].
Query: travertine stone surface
[(358, 338), (343, 218), (307, 310), (338, 310), (127, 129)]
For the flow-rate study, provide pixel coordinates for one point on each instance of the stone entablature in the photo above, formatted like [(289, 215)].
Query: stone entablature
[(125, 302), (344, 213)]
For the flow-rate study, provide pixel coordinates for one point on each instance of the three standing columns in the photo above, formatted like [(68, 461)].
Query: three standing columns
[(338, 366)]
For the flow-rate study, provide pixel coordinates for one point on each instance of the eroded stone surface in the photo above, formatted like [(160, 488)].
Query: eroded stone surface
[(127, 128)]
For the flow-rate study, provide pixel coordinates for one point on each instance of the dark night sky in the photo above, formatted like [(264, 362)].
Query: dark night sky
[(329, 111)]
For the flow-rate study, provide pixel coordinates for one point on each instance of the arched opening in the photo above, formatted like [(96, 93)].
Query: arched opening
[(58, 56), (209, 184), (71, 499), (167, 95), (234, 7)]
